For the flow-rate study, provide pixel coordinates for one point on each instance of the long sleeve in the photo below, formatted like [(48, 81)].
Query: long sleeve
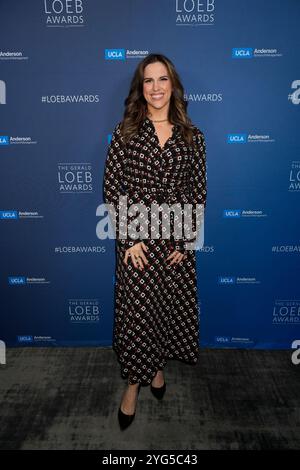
[(113, 185), (197, 187), (198, 178)]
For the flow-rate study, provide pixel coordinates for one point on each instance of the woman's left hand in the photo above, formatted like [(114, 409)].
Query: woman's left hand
[(176, 257)]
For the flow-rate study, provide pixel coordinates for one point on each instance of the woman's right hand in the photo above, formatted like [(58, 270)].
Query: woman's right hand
[(136, 253)]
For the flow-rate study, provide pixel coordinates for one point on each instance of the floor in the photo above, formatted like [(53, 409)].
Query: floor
[(67, 398)]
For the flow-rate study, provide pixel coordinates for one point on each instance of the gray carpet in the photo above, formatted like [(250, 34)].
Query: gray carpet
[(67, 398)]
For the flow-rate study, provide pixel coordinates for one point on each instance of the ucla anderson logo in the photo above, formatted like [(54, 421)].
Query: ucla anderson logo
[(236, 139), (25, 339), (226, 280), (242, 53), (232, 213), (222, 339), (8, 215), (16, 280), (114, 54), (4, 140)]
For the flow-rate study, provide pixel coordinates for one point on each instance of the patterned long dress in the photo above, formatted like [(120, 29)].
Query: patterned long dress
[(156, 309)]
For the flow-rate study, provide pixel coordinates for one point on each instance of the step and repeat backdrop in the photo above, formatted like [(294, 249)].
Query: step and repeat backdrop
[(65, 70)]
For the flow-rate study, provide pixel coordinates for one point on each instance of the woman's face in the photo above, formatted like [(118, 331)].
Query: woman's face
[(157, 86)]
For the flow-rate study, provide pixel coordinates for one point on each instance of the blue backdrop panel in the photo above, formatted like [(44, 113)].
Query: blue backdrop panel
[(65, 70)]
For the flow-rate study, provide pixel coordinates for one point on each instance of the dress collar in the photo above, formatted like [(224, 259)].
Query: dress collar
[(148, 125)]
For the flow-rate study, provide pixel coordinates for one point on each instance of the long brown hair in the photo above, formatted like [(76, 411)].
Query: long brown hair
[(136, 105)]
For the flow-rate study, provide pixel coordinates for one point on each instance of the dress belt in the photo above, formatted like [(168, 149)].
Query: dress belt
[(159, 194)]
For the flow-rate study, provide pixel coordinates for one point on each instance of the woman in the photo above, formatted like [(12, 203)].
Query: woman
[(156, 156)]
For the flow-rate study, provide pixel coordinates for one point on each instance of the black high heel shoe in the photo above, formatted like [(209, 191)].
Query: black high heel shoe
[(158, 392), (124, 419)]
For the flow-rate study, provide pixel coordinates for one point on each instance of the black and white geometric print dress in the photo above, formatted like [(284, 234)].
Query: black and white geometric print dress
[(156, 309)]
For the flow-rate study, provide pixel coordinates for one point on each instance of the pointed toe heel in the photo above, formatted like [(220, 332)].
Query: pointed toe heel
[(124, 419), (158, 392)]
